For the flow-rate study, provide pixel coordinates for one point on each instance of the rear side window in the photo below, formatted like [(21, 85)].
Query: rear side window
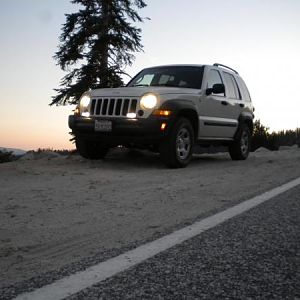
[(214, 77), (232, 90), (243, 88)]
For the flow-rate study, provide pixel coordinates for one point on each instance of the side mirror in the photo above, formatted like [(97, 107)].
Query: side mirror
[(217, 88)]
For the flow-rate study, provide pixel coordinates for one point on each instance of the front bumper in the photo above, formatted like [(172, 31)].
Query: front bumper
[(124, 130)]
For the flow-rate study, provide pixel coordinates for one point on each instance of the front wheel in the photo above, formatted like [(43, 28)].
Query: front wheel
[(176, 151), (240, 148), (91, 149)]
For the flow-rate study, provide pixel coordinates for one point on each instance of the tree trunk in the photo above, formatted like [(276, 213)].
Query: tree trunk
[(105, 46)]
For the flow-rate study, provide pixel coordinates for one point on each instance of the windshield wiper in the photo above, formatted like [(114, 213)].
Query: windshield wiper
[(166, 84), (141, 85)]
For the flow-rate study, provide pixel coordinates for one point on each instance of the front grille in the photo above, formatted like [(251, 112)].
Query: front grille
[(113, 107)]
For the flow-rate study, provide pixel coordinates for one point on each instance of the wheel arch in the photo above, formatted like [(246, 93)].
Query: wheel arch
[(248, 120), (192, 116), (185, 109)]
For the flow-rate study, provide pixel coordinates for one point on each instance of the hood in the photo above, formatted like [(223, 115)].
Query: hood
[(140, 91)]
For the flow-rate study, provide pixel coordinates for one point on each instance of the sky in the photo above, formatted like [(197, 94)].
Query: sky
[(258, 38)]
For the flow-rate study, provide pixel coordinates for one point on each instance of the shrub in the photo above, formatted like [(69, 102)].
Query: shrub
[(272, 141), (6, 156), (260, 135), (61, 152)]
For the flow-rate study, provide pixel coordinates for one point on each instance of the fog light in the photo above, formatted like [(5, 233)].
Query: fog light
[(131, 115)]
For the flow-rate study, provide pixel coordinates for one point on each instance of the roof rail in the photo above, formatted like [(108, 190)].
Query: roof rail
[(220, 65)]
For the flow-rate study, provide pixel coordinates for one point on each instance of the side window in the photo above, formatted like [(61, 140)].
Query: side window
[(232, 87), (243, 89), (237, 89), (214, 78)]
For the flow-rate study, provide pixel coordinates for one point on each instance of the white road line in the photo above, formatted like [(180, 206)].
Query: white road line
[(81, 280)]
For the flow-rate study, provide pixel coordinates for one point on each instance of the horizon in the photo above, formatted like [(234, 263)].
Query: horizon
[(259, 39)]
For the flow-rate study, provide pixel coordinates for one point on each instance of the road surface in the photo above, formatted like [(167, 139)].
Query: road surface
[(59, 216)]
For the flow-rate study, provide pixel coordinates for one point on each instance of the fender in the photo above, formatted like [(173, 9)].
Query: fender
[(184, 108), (178, 105), (247, 117)]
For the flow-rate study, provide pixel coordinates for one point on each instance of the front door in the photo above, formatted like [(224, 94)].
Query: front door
[(216, 116)]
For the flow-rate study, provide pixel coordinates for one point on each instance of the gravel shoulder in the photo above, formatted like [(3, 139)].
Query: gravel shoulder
[(57, 210)]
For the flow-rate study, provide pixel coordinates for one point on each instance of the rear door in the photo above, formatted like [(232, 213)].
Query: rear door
[(234, 96)]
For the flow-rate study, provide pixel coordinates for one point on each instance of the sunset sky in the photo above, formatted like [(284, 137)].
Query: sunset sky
[(259, 38)]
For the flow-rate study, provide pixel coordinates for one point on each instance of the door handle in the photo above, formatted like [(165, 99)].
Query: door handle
[(224, 102), (242, 105)]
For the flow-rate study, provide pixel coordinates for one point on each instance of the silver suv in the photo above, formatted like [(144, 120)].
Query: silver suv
[(167, 109)]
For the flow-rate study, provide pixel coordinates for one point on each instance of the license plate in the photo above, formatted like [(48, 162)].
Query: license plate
[(103, 125)]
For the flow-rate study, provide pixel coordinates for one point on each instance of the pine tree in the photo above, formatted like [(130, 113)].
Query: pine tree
[(96, 44), (260, 135)]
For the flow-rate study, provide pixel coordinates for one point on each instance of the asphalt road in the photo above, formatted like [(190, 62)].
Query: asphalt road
[(253, 256)]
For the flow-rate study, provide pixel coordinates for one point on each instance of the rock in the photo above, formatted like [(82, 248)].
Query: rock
[(262, 149)]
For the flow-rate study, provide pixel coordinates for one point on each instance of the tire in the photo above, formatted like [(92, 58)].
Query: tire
[(90, 149), (240, 148), (176, 150)]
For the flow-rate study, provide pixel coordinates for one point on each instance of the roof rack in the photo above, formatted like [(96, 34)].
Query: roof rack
[(220, 65)]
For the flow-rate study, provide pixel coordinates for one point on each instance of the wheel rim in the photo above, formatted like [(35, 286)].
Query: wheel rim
[(183, 144), (244, 143)]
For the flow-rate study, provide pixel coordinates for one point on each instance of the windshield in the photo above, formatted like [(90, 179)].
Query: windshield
[(173, 76)]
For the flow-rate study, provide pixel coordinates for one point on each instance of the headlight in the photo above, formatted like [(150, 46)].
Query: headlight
[(149, 101), (85, 101), (84, 105)]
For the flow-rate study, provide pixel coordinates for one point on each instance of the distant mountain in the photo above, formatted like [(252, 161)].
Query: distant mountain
[(13, 150)]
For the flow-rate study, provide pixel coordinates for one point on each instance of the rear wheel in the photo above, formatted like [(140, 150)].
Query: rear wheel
[(176, 151), (91, 149), (240, 148)]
